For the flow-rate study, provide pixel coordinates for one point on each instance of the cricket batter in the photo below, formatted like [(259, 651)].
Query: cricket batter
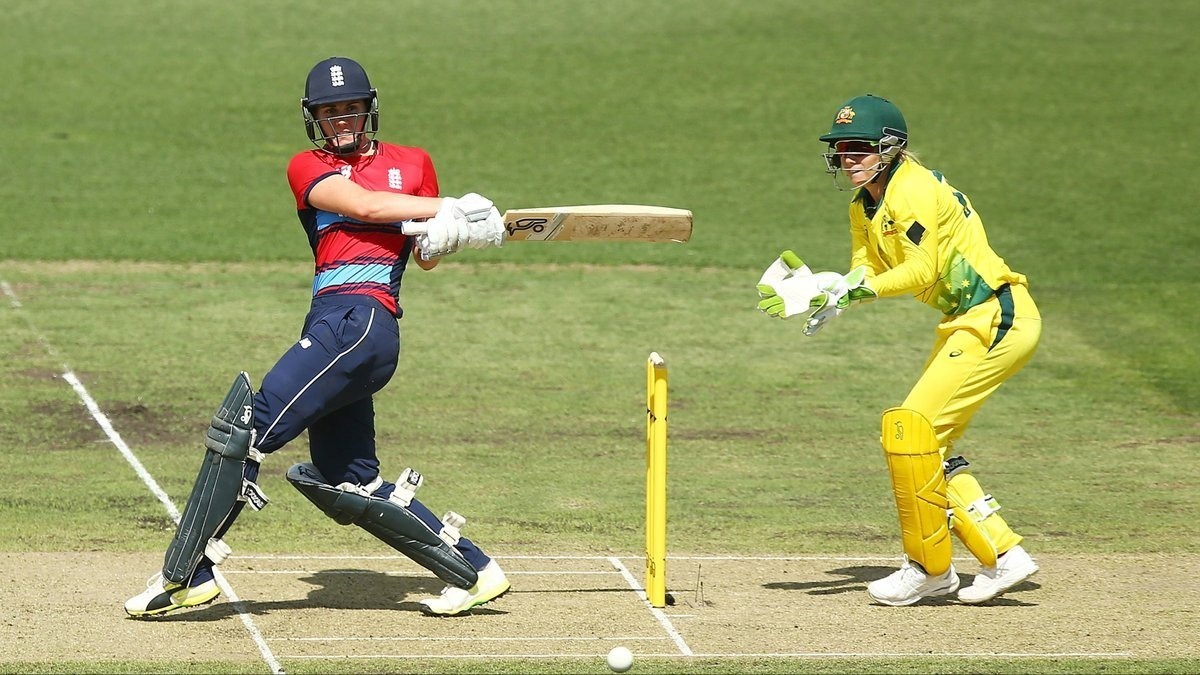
[(352, 195), (913, 234)]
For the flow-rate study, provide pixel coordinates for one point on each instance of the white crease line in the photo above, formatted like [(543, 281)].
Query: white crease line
[(408, 657), (549, 573), (658, 614), (835, 558), (12, 297), (127, 453), (291, 556), (468, 639), (116, 440), (918, 655), (603, 573), (822, 558)]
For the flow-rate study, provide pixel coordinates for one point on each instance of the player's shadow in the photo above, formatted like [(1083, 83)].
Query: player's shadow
[(334, 589), (855, 579), (848, 580)]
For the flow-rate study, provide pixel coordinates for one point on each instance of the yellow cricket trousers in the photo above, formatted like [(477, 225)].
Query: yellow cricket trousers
[(974, 354)]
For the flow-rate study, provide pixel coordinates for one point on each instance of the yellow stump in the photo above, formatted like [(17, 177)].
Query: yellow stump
[(656, 480)]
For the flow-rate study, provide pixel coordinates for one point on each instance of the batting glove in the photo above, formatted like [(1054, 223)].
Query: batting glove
[(488, 231), (470, 207), (444, 234)]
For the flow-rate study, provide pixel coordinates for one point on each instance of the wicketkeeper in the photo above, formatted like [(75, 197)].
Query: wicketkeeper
[(353, 194), (913, 234)]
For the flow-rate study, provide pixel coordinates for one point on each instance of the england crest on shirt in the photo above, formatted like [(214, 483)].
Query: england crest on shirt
[(395, 182)]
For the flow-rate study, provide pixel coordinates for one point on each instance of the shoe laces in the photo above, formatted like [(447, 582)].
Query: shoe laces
[(154, 580), (1002, 566), (908, 570), (912, 576), (451, 591)]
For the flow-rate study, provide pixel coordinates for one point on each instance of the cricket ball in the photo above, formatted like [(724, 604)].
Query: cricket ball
[(620, 659)]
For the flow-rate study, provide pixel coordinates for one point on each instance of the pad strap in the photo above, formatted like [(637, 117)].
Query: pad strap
[(451, 526), (406, 487), (983, 507), (217, 551)]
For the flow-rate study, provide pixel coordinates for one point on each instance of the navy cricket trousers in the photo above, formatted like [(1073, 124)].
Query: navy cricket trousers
[(348, 350)]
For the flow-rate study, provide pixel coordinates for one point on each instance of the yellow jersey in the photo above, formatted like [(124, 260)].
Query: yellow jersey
[(924, 238)]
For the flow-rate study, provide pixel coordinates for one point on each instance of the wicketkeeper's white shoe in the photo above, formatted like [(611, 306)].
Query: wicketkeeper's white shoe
[(909, 584), (491, 584), (1011, 569)]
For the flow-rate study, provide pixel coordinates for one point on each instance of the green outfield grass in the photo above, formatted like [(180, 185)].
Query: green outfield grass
[(150, 236)]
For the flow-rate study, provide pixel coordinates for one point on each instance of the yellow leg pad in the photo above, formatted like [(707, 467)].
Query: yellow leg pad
[(915, 463), (976, 514)]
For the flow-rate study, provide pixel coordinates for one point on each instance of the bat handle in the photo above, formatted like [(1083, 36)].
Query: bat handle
[(412, 228)]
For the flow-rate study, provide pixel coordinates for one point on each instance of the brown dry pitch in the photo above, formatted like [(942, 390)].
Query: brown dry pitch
[(308, 609)]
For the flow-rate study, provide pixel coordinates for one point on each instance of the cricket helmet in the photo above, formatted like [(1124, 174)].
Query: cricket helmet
[(869, 118), (335, 80)]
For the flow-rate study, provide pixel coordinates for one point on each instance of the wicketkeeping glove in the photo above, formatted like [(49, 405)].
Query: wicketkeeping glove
[(786, 265), (845, 290), (837, 293), (788, 287)]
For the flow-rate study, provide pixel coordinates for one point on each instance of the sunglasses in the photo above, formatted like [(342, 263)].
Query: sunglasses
[(855, 147)]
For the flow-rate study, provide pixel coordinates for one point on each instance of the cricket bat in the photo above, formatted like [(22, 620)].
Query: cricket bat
[(600, 222)]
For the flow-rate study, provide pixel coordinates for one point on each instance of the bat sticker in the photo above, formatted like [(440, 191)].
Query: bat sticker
[(535, 224)]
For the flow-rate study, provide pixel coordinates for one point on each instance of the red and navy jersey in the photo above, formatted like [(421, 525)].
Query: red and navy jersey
[(353, 257)]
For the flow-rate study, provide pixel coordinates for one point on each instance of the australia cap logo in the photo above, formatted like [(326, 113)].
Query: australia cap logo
[(845, 116)]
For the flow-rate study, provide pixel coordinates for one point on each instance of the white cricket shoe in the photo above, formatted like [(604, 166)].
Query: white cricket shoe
[(1011, 569), (162, 596), (909, 584), (491, 584)]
